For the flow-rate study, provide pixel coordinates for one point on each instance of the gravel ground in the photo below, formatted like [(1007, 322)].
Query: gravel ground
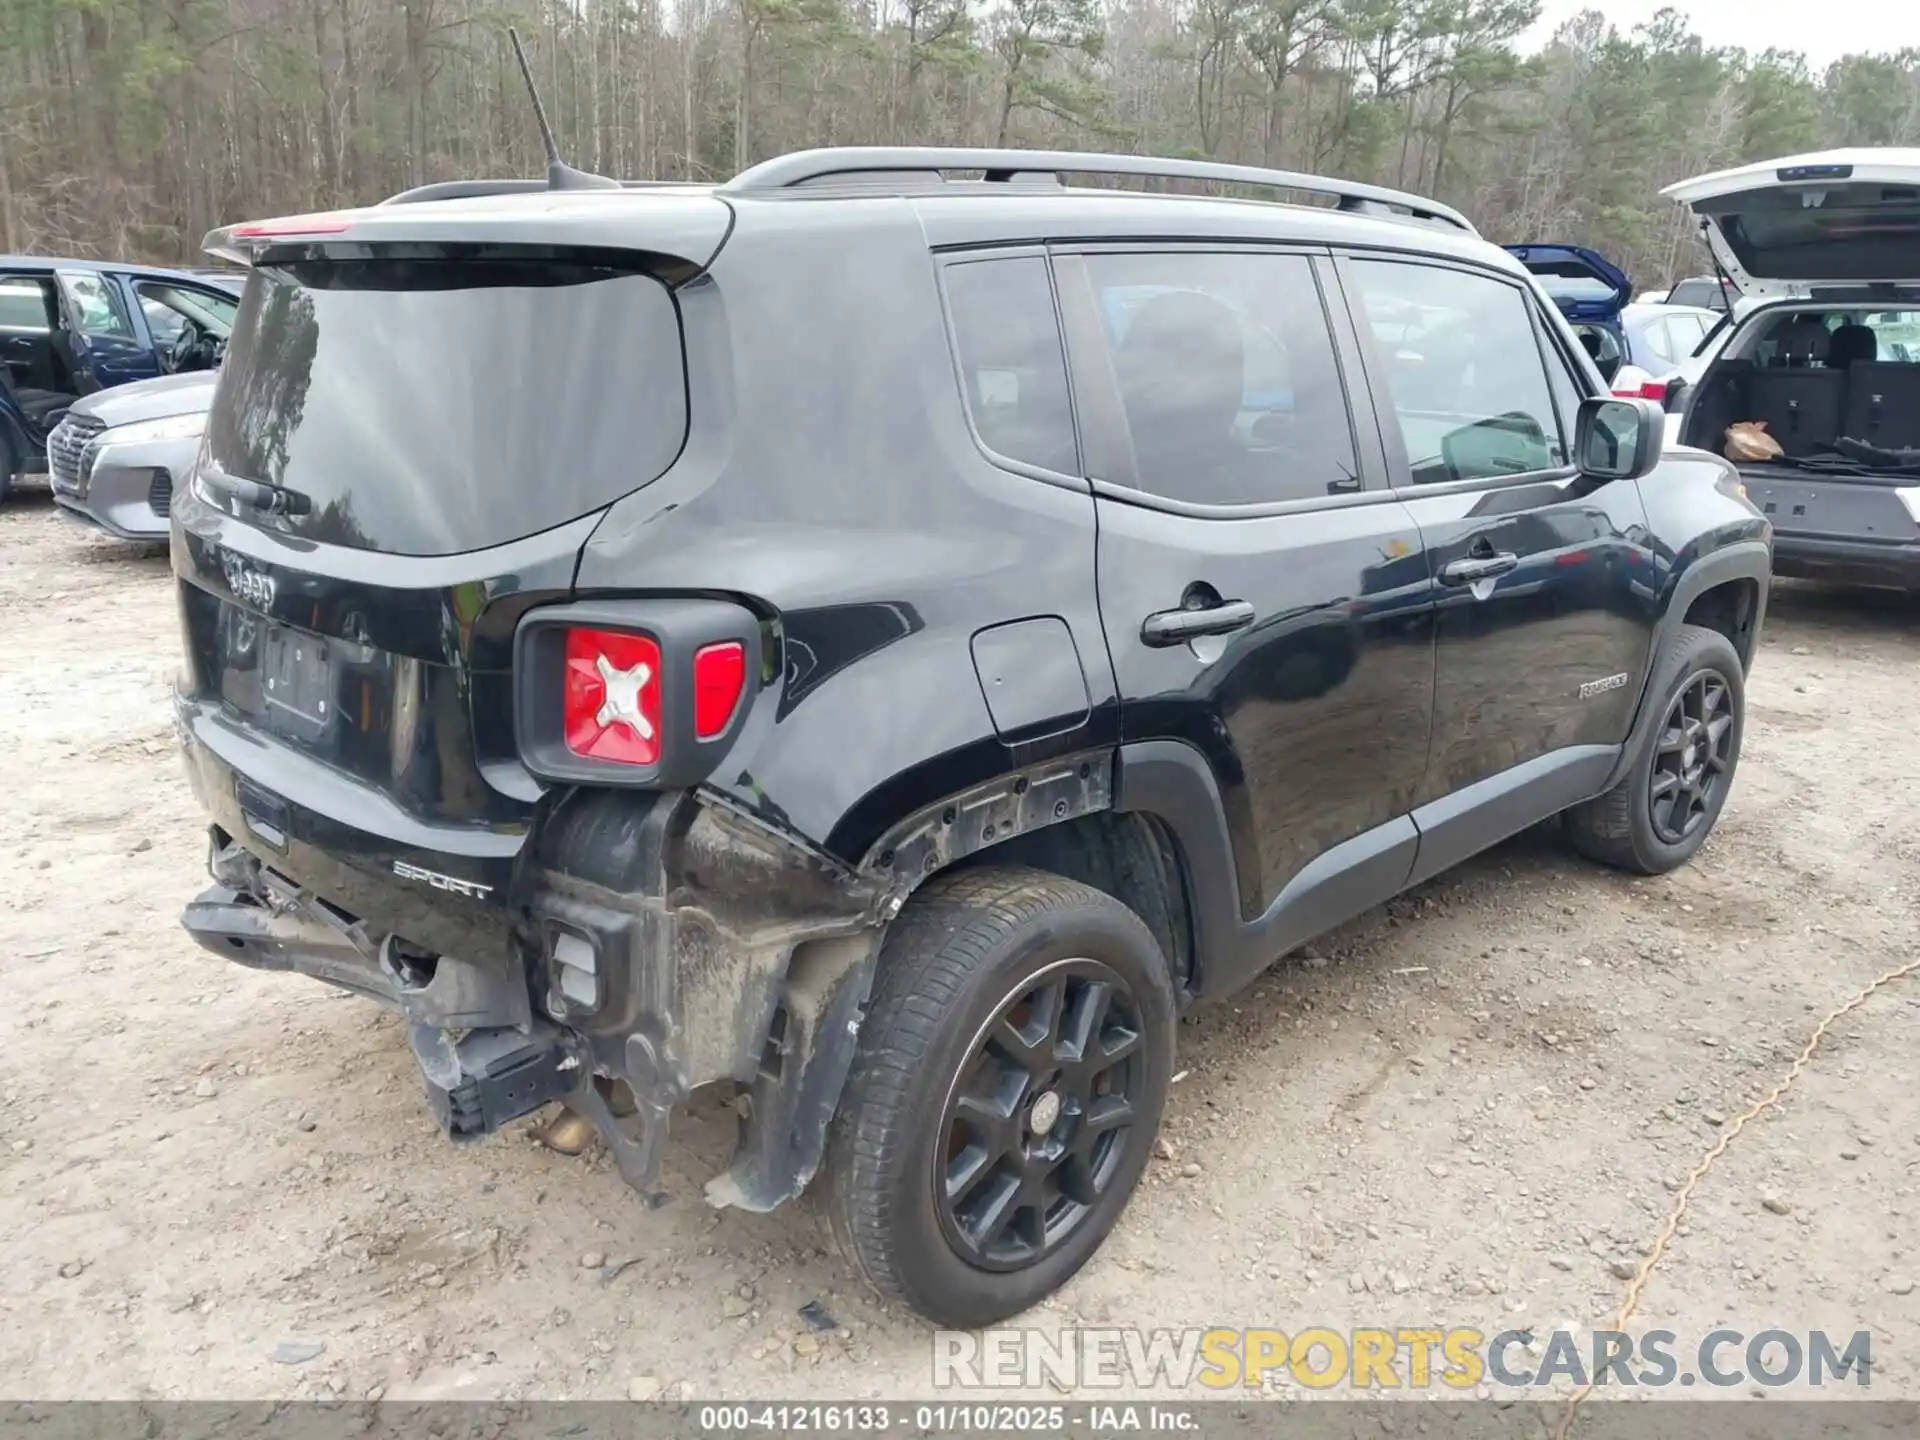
[(1469, 1107)]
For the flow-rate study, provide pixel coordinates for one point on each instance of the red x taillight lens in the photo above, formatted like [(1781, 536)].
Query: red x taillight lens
[(642, 693), (719, 675), (613, 709)]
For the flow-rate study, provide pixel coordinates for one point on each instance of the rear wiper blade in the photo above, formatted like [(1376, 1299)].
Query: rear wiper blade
[(266, 498)]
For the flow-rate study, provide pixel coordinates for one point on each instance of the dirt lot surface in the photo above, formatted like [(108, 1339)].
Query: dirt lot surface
[(1467, 1108)]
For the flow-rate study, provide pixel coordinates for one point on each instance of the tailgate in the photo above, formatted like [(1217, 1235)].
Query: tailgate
[(347, 716)]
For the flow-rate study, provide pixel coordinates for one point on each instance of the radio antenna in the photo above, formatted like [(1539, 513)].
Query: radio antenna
[(560, 175)]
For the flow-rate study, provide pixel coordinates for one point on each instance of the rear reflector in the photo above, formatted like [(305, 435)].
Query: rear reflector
[(612, 709), (719, 675)]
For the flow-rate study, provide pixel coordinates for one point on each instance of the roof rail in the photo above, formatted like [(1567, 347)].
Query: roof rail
[(463, 190), (810, 167), (469, 189)]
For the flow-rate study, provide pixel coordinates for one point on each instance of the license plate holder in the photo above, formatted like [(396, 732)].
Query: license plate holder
[(298, 684)]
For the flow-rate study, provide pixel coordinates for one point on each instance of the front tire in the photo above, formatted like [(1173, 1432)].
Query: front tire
[(1011, 1073), (1663, 810)]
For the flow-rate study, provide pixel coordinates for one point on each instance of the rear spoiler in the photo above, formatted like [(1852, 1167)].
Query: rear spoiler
[(680, 228)]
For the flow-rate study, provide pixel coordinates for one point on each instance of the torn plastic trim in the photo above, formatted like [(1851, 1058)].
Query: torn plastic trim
[(687, 942), (991, 813)]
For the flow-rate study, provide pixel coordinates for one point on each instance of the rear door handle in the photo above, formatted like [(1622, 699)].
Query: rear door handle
[(1176, 627), (1477, 567)]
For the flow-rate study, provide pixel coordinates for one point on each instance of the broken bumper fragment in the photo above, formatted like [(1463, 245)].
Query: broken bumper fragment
[(643, 946)]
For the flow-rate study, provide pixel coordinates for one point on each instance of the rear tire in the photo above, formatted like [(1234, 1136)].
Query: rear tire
[(983, 1149), (1666, 805)]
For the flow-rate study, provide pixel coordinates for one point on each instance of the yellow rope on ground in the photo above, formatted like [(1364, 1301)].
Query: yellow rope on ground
[(1631, 1299)]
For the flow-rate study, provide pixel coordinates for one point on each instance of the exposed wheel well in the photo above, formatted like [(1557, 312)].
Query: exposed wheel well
[(1131, 857), (1729, 608)]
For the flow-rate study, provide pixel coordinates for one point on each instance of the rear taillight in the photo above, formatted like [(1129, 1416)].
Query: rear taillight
[(612, 709), (1645, 390), (719, 675), (648, 693)]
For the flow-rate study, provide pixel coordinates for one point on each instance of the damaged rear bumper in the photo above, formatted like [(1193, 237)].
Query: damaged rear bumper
[(485, 1059), (645, 946)]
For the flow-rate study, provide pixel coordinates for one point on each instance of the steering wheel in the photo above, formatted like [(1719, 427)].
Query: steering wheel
[(190, 350)]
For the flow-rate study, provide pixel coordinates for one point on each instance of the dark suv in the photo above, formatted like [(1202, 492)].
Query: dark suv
[(885, 634)]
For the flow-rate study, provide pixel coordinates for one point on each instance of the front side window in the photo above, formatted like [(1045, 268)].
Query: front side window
[(1227, 376), (169, 307), (1567, 387), (1467, 383), (163, 324), (1012, 365)]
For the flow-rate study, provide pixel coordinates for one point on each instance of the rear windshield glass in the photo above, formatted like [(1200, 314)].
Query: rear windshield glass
[(427, 407)]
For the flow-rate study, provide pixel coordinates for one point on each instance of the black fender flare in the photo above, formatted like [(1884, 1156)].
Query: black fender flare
[(1171, 780), (1741, 560)]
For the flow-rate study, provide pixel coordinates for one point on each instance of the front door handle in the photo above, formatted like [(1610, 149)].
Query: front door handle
[(1176, 627), (1474, 568)]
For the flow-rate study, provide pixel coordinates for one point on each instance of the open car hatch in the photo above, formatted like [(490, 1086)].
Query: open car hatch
[(1586, 286), (1839, 218)]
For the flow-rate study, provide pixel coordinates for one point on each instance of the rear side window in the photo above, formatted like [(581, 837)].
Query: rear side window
[(1657, 339), (1896, 334), (428, 407), (1687, 332), (1468, 386), (23, 306), (1227, 376), (1012, 365)]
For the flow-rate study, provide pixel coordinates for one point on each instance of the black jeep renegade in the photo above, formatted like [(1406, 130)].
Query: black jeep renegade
[(887, 633)]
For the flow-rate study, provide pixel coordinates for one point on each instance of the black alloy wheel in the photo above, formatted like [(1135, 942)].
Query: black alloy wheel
[(1011, 1072), (1679, 770), (1693, 758), (1039, 1117)]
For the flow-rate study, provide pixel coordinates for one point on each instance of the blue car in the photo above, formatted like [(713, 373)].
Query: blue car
[(1590, 290), (1637, 347), (71, 327)]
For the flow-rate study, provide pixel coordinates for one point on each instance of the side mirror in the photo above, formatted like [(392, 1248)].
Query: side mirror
[(1676, 395), (1617, 439)]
